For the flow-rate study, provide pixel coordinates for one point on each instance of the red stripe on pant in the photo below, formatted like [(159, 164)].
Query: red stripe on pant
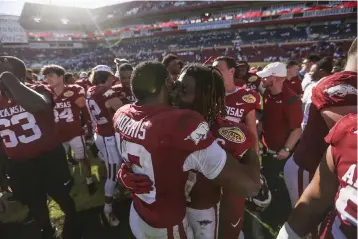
[(182, 233), (216, 221), (300, 181), (301, 189), (231, 215)]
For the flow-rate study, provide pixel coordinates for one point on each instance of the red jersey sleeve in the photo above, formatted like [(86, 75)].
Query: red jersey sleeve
[(339, 89), (233, 137), (258, 102), (293, 111), (190, 131), (80, 91), (345, 125), (74, 92), (109, 94), (41, 89)]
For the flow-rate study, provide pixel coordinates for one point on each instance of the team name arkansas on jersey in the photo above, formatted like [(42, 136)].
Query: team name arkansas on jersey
[(156, 141), (26, 135), (241, 102), (201, 193), (343, 141), (67, 113), (339, 89), (96, 103)]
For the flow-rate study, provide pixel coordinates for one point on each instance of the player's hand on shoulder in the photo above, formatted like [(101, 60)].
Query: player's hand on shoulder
[(136, 183)]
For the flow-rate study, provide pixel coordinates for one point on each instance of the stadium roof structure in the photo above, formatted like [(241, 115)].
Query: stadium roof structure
[(47, 17), (52, 17)]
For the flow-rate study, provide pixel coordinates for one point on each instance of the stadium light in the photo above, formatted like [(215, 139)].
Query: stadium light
[(37, 19), (64, 21)]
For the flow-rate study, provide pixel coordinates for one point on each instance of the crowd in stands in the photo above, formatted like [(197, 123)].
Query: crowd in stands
[(254, 45)]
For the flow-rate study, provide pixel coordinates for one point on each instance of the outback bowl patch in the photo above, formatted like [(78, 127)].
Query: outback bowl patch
[(68, 93), (249, 98), (232, 134), (252, 79)]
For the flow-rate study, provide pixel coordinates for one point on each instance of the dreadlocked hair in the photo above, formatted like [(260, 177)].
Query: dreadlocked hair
[(209, 91)]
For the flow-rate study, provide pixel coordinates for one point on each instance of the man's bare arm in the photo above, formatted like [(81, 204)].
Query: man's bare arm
[(317, 197), (241, 177), (332, 114), (29, 99), (293, 138), (114, 104)]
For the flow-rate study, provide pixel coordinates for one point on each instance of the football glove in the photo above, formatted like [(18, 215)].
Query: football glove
[(136, 183)]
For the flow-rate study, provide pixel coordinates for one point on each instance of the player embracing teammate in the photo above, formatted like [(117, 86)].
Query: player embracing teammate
[(165, 144)]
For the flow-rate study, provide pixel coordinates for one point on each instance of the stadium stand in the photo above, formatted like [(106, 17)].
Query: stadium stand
[(78, 38)]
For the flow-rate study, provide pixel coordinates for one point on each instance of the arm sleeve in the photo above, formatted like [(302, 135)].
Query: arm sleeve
[(189, 131), (335, 92), (209, 161), (293, 112), (109, 94)]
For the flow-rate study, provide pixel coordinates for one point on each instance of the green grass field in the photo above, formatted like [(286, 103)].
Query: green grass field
[(265, 225)]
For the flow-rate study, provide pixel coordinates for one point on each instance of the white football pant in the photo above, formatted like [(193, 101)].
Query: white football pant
[(141, 230), (78, 145), (205, 223), (108, 149), (296, 180)]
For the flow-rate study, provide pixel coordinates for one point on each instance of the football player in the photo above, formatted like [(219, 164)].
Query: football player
[(243, 77), (119, 62), (241, 104), (318, 71), (335, 182), (164, 144), (293, 80), (36, 166), (332, 98), (69, 79), (171, 62), (102, 102), (69, 104), (83, 81), (123, 89), (202, 89)]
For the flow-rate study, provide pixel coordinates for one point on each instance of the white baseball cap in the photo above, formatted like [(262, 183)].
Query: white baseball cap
[(83, 75), (273, 69), (102, 68)]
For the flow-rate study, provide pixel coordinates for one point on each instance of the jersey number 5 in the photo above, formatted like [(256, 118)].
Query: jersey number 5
[(141, 162), (346, 194), (12, 139)]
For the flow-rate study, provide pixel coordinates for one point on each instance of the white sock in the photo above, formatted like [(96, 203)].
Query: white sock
[(107, 207), (89, 180)]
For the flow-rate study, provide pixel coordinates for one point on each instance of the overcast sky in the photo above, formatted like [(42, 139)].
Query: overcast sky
[(14, 7)]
